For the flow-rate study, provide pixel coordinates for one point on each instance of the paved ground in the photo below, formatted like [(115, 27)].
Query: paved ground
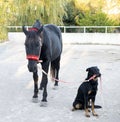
[(16, 85)]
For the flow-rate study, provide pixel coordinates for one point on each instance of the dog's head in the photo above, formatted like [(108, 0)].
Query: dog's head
[(92, 76), (93, 73)]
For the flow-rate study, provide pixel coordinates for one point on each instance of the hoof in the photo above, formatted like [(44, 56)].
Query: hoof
[(43, 104), (35, 100), (55, 87)]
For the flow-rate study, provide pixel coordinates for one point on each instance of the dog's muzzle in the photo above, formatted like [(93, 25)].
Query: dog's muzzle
[(99, 75)]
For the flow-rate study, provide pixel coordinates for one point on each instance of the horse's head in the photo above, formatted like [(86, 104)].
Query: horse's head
[(33, 47)]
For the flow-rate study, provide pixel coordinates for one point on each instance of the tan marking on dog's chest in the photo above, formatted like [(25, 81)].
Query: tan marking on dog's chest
[(90, 91)]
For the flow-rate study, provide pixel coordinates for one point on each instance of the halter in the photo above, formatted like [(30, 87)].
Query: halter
[(32, 57), (33, 29)]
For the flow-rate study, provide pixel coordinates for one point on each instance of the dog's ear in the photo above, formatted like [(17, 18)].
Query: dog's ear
[(87, 69)]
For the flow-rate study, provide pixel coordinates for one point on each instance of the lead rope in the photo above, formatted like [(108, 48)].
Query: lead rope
[(52, 77), (101, 94)]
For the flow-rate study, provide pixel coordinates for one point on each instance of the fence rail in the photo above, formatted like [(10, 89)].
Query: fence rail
[(76, 29)]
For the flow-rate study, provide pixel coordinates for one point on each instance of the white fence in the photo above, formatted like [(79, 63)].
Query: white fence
[(90, 29), (79, 29)]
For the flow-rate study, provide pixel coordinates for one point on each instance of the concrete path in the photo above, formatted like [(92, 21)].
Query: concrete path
[(16, 84)]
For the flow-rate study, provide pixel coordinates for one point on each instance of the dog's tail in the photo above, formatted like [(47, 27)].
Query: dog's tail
[(96, 106)]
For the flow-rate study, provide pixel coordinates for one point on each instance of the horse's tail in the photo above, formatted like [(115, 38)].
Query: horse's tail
[(54, 68), (52, 71)]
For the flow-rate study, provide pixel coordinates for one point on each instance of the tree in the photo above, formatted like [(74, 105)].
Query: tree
[(71, 12), (19, 12), (45, 10), (3, 20), (112, 9), (90, 13), (95, 19)]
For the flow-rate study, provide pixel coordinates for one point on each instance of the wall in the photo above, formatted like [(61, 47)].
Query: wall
[(92, 38), (77, 38)]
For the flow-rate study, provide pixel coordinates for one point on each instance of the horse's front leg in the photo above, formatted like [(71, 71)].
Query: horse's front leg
[(43, 85), (35, 96)]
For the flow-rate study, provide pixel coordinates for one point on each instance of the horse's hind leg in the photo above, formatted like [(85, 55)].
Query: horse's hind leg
[(55, 66)]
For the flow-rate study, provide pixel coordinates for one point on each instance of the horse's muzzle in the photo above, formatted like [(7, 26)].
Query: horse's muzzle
[(32, 66)]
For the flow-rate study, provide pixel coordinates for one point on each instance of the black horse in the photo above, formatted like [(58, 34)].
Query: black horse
[(43, 43)]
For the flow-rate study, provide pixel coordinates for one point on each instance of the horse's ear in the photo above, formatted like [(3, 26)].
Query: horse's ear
[(40, 30), (24, 30)]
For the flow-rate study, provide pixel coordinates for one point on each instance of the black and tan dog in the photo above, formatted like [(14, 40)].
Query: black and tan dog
[(87, 92)]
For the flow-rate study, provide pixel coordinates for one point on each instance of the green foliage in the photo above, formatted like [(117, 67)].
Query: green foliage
[(45, 10), (3, 21), (25, 12), (93, 19), (88, 13), (3, 33), (71, 12)]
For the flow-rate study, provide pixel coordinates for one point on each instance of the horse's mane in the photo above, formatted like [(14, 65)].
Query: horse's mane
[(53, 28)]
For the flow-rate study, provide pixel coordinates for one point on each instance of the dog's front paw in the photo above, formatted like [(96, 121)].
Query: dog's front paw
[(73, 109), (87, 115), (95, 114), (89, 110)]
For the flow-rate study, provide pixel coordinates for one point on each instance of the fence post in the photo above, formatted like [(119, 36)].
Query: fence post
[(84, 29), (106, 29), (64, 29)]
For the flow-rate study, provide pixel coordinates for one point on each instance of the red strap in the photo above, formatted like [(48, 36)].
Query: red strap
[(91, 78), (33, 57), (35, 29)]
